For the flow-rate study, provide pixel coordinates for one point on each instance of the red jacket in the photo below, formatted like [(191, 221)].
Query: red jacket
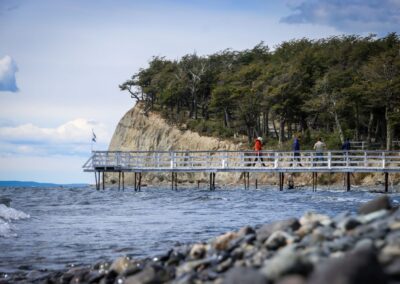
[(258, 145)]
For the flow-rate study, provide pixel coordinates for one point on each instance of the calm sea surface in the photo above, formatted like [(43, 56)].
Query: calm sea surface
[(55, 227)]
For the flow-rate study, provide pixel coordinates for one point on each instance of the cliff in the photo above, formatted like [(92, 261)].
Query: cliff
[(136, 131)]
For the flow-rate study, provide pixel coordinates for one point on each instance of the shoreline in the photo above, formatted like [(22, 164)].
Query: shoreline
[(360, 248)]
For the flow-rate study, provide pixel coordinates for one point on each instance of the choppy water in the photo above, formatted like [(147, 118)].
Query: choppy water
[(54, 227)]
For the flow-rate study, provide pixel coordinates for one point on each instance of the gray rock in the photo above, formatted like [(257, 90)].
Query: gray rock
[(286, 261), (266, 230), (360, 266), (348, 224), (374, 216), (393, 270), (148, 275), (292, 279), (278, 239), (377, 204), (364, 244), (242, 275)]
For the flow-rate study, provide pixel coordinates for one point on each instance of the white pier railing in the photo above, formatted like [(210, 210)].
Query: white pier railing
[(243, 161)]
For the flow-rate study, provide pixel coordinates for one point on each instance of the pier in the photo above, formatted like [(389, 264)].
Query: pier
[(213, 162)]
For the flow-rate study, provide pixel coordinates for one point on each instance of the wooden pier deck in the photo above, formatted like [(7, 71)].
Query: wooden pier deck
[(213, 162)]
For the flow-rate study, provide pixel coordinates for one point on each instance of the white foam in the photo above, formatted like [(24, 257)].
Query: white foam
[(5, 230), (8, 213)]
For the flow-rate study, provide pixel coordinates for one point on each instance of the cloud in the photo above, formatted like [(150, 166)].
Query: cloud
[(355, 16), (72, 137), (8, 68)]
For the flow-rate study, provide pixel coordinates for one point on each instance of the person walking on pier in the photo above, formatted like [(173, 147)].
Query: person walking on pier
[(319, 148), (296, 150), (258, 148), (346, 145)]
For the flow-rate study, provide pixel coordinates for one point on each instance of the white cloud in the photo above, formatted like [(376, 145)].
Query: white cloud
[(8, 68), (72, 137)]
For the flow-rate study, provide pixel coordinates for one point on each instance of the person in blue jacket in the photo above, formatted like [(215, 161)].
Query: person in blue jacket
[(296, 150)]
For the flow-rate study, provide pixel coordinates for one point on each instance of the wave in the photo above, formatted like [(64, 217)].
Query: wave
[(7, 214)]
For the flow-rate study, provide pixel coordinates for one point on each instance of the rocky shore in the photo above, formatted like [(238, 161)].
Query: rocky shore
[(362, 248)]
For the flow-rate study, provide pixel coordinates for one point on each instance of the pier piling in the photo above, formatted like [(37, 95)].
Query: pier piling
[(386, 181)]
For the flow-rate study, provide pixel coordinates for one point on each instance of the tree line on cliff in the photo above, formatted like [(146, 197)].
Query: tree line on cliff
[(337, 87)]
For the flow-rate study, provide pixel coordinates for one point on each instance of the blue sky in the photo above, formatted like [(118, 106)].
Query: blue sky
[(61, 62)]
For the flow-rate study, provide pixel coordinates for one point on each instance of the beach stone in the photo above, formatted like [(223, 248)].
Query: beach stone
[(278, 239), (312, 218), (360, 266), (388, 253), (190, 266), (372, 217), (340, 244), (377, 204), (222, 242), (147, 275), (393, 269), (225, 265), (198, 251), (364, 244), (246, 230), (348, 224), (394, 226), (242, 275), (120, 264), (393, 237), (267, 229), (292, 279), (286, 261), (320, 234)]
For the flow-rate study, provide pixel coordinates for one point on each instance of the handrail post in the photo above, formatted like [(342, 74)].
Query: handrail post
[(172, 159), (365, 159), (329, 160), (383, 160)]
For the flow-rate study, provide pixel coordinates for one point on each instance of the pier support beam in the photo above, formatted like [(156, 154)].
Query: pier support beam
[(104, 186), (212, 181), (119, 180), (386, 182), (97, 180), (246, 179), (123, 180), (281, 181), (348, 182), (138, 181), (174, 181), (314, 181)]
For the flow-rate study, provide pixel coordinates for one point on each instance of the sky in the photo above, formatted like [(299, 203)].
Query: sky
[(61, 62)]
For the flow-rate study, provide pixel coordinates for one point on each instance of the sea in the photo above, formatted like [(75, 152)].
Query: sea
[(59, 227)]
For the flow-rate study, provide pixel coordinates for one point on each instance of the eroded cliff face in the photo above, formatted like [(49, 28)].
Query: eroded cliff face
[(136, 131)]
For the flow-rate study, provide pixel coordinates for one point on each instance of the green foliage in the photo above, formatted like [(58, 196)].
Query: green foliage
[(336, 87)]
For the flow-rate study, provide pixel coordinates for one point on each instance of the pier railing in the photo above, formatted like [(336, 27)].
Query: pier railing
[(244, 161)]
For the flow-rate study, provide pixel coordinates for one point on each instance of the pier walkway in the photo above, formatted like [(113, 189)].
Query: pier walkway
[(246, 162)]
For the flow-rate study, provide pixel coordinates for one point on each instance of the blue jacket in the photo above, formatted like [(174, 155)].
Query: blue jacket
[(296, 145)]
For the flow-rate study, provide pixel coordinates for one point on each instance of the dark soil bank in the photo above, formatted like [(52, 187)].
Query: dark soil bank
[(362, 248)]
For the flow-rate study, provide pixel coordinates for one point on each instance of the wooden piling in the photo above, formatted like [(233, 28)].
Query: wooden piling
[(123, 180), (103, 181), (256, 184), (386, 182), (348, 182), (95, 178), (119, 180)]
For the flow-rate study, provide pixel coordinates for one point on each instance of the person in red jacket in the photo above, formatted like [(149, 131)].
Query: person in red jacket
[(258, 148)]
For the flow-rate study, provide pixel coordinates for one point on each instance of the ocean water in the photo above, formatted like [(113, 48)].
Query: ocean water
[(51, 228)]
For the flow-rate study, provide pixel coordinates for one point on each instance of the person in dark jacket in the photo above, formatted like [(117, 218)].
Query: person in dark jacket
[(346, 145), (296, 150)]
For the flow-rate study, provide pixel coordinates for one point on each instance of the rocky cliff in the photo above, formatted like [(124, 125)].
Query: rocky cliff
[(137, 131)]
